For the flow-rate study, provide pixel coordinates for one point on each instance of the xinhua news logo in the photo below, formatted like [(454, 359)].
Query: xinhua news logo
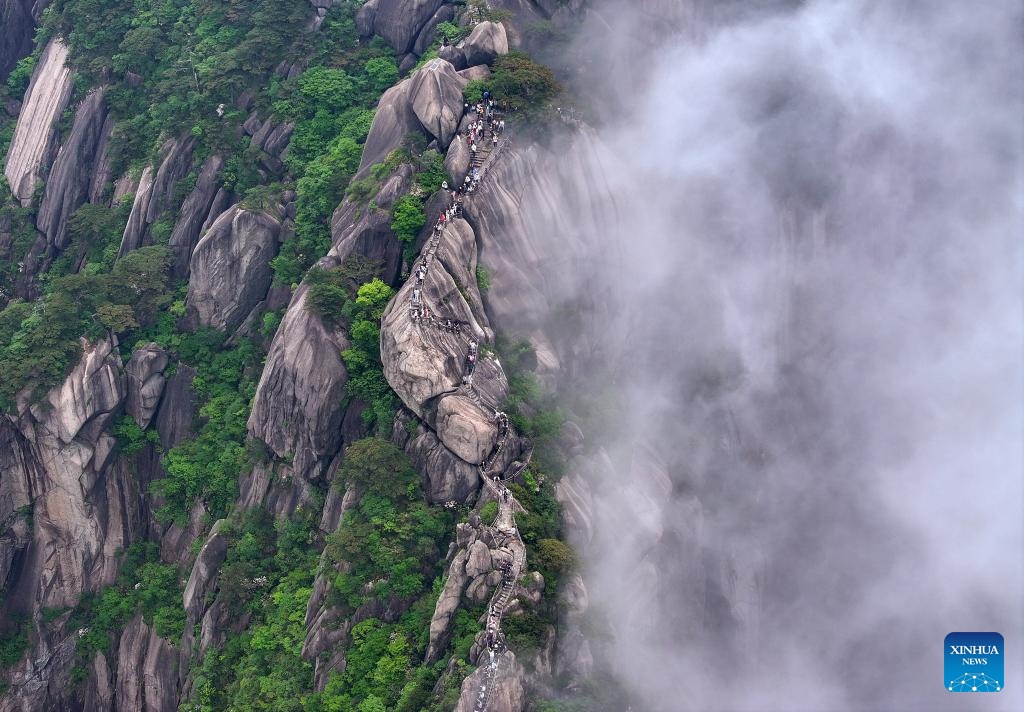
[(974, 662)]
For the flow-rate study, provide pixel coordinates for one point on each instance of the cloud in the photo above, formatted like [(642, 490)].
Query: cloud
[(818, 299)]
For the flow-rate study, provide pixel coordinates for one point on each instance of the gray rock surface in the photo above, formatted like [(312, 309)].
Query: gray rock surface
[(516, 220), (298, 410), (33, 145), (18, 18), (145, 372), (155, 191), (485, 43), (456, 160), (60, 464), (197, 209), (507, 693), (147, 671), (67, 186), (436, 96), (446, 13), (445, 476), (230, 267), (429, 102), (204, 572), (399, 22), (453, 55)]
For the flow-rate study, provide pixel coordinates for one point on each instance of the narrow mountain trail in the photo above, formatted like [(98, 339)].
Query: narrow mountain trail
[(506, 530)]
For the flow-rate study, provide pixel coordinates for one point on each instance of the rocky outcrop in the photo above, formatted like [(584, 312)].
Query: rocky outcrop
[(204, 572), (485, 43), (147, 671), (505, 693), (33, 143), (155, 191), (428, 102), (19, 23), (399, 22), (71, 176), (297, 411), (230, 268), (145, 372), (521, 201), (446, 477), (424, 365), (436, 97), (62, 459), (200, 206)]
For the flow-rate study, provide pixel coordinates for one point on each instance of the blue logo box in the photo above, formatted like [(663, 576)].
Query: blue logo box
[(974, 662)]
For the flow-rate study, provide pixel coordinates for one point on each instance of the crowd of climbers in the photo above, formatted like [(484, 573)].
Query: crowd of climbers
[(483, 135)]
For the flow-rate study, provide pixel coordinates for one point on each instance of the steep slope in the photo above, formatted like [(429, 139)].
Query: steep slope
[(198, 462)]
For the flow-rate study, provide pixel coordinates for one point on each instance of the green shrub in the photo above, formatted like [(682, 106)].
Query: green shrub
[(408, 218), (391, 539), (489, 512), (522, 84), (14, 642), (483, 280), (208, 466), (131, 438), (362, 360)]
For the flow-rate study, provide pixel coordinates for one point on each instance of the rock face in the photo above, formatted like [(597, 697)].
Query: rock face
[(297, 410), (147, 671), (446, 477), (506, 693), (528, 278), (397, 21), (82, 510), (424, 365), (71, 176), (145, 372), (155, 191), (230, 268), (33, 143), (200, 206), (16, 17), (436, 96), (430, 102), (485, 43)]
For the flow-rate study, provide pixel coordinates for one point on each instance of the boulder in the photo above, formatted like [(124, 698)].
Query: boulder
[(230, 267), (465, 428), (480, 71), (155, 191), (204, 572), (453, 55), (33, 143), (399, 22), (478, 560), (392, 122), (145, 380), (447, 604), (485, 43), (445, 476), (446, 13), (436, 96), (67, 186), (195, 211), (456, 161)]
